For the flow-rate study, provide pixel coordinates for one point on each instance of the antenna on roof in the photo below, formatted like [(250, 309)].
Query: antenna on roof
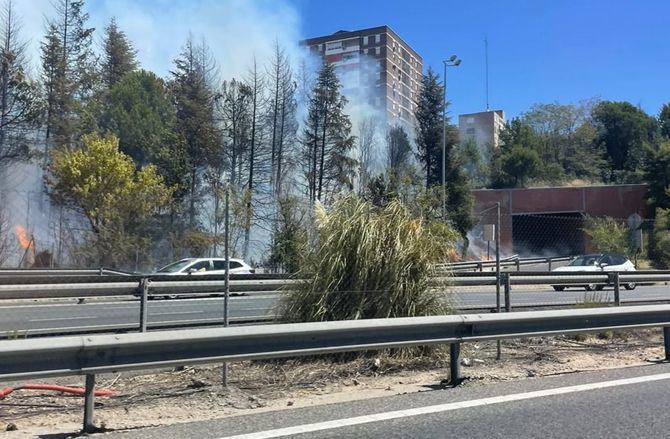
[(486, 62)]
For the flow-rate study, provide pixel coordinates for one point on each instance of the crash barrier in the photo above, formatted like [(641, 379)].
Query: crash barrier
[(95, 354)]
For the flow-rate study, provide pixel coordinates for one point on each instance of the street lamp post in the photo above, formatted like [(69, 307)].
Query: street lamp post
[(453, 61)]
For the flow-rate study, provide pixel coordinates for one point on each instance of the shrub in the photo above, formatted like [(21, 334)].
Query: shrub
[(369, 262), (609, 235)]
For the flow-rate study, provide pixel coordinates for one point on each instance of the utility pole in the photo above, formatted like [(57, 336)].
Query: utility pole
[(453, 61)]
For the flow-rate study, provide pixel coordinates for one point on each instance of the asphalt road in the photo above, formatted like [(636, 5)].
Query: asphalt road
[(71, 317), (621, 403)]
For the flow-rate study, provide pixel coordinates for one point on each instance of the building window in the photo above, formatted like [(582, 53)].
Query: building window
[(365, 41), (378, 50)]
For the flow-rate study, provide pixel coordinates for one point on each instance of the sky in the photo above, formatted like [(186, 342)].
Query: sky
[(540, 51)]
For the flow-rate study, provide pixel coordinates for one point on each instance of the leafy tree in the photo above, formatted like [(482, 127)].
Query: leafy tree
[(563, 137), (520, 164), (20, 104), (609, 235), (660, 242), (140, 113), (103, 184), (327, 140), (289, 242), (657, 175), (119, 56), (624, 130)]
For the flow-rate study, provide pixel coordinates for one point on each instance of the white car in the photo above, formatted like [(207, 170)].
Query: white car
[(199, 266), (600, 262)]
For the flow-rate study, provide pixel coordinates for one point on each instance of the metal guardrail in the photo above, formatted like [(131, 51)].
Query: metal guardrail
[(510, 261), (90, 355), (174, 286)]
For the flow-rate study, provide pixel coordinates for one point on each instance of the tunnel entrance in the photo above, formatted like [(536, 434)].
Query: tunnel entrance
[(548, 234)]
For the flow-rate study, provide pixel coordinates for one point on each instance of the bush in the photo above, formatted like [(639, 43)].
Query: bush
[(609, 235), (660, 251), (369, 262)]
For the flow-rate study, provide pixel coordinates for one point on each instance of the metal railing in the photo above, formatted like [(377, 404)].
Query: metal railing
[(90, 355), (267, 290), (510, 261)]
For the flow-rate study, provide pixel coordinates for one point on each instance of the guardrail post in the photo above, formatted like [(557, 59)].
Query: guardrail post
[(518, 264), (454, 364), (548, 264), (666, 342), (617, 286), (89, 401), (480, 266), (144, 301), (508, 290)]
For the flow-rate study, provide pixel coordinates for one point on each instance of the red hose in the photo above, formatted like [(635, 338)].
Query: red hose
[(73, 390)]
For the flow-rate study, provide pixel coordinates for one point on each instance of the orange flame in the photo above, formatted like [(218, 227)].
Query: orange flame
[(22, 235)]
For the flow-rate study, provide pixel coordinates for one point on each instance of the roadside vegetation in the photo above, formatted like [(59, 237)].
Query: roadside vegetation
[(369, 262)]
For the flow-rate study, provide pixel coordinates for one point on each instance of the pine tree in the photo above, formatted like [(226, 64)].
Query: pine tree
[(69, 71), (119, 55), (194, 99), (282, 108), (20, 106), (327, 139), (429, 130), (459, 200)]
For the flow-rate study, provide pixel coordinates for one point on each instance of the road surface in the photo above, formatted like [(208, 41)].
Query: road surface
[(71, 317), (621, 403)]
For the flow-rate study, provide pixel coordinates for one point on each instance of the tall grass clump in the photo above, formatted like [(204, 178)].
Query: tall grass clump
[(369, 262)]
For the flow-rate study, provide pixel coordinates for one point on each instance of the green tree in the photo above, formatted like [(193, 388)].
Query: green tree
[(624, 130), (520, 164), (140, 113), (327, 140), (564, 139), (660, 239), (664, 121), (609, 235), (474, 163), (430, 127), (289, 241), (20, 103), (69, 73), (119, 56), (103, 184), (657, 175)]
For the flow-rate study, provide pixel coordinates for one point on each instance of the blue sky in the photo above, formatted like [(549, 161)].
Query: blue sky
[(539, 51)]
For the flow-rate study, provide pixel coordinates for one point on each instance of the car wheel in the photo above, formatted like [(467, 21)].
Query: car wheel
[(558, 287), (630, 286), (590, 287)]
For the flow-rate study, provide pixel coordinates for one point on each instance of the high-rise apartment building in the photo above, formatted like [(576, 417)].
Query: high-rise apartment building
[(483, 127), (375, 65)]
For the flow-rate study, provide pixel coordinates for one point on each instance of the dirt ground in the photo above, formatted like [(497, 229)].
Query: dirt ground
[(195, 393)]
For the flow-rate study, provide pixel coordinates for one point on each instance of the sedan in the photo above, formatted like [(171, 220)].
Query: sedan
[(600, 262)]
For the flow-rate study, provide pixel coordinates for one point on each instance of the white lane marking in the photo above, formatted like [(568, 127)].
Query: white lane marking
[(348, 422), (55, 319)]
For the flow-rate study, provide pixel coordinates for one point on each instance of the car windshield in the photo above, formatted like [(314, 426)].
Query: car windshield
[(581, 261), (175, 266)]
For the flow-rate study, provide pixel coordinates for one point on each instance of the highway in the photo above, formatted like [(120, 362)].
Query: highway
[(123, 314), (619, 403)]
